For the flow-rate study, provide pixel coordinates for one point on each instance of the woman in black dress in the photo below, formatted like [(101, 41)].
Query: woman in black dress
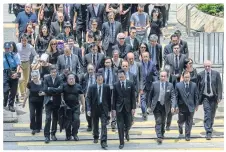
[(125, 17), (53, 51), (36, 98), (188, 67), (86, 47), (143, 47), (42, 40), (156, 24)]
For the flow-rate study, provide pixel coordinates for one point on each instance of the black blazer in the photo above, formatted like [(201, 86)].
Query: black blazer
[(135, 46), (88, 59), (154, 95), (189, 99), (92, 99), (55, 28), (54, 90), (124, 98), (114, 73), (100, 17), (184, 47), (216, 84), (158, 48)]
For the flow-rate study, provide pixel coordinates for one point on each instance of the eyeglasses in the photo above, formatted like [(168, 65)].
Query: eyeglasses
[(53, 44), (143, 47), (111, 18), (95, 49), (94, 24), (121, 38)]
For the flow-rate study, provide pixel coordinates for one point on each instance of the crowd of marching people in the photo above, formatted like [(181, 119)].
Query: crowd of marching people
[(106, 61)]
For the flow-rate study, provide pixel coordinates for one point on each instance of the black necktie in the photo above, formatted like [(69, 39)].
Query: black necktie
[(208, 83), (94, 61), (99, 95), (123, 86), (69, 63), (177, 66), (91, 80), (108, 76), (112, 26), (163, 86), (187, 88)]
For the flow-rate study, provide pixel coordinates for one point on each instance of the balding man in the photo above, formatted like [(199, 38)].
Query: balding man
[(122, 46), (210, 91), (68, 61), (57, 27), (135, 68)]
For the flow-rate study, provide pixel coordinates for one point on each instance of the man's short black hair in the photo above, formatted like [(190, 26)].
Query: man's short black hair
[(121, 71)]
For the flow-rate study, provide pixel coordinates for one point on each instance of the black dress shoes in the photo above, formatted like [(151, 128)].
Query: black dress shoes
[(89, 129), (11, 108), (47, 140), (208, 136), (53, 137), (33, 132), (159, 140), (104, 145), (95, 141), (76, 138), (121, 146), (187, 138), (167, 128), (127, 136), (68, 138)]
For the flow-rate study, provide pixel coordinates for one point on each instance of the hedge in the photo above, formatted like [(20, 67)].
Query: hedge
[(212, 9)]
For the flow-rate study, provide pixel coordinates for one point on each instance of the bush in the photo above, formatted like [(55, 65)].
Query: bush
[(212, 9)]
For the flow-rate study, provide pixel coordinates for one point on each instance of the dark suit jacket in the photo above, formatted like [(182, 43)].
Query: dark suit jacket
[(124, 98), (151, 76), (169, 60), (54, 89), (92, 99), (84, 82), (106, 33), (78, 51), (216, 84), (135, 45), (159, 57), (88, 59), (55, 28), (154, 95), (184, 47), (167, 50), (132, 78), (114, 73), (123, 49), (189, 99), (61, 63), (100, 17)]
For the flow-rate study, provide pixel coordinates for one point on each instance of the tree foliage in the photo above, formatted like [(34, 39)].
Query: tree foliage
[(212, 9)]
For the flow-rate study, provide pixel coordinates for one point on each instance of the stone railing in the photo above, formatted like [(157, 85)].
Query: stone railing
[(200, 21)]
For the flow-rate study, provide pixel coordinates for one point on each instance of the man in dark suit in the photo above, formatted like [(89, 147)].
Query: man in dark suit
[(150, 75), (168, 48), (109, 32), (155, 51), (98, 12), (99, 105), (161, 97), (210, 94), (176, 61), (186, 102), (80, 11), (57, 27), (52, 87), (110, 77), (132, 40), (172, 79), (124, 105), (122, 46), (87, 80), (93, 57), (68, 60), (183, 44)]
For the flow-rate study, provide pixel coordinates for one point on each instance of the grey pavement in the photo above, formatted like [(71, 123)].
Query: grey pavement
[(19, 138)]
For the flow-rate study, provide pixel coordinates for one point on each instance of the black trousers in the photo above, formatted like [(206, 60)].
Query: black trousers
[(51, 116), (75, 124), (88, 118), (160, 120), (99, 113), (187, 118), (169, 119), (80, 30), (10, 89), (36, 115), (210, 106), (109, 50), (124, 121)]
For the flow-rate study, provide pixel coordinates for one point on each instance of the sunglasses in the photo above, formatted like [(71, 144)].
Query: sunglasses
[(53, 44), (121, 38), (143, 47)]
